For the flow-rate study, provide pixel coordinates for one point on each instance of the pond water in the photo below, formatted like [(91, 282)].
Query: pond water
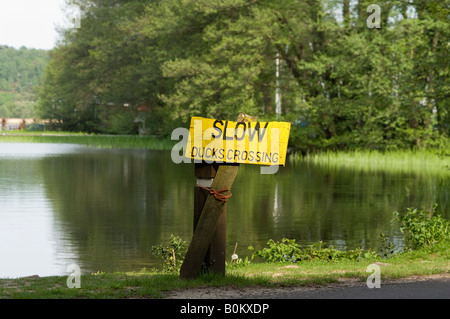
[(104, 209)]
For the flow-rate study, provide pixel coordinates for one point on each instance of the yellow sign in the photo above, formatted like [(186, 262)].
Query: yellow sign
[(262, 143)]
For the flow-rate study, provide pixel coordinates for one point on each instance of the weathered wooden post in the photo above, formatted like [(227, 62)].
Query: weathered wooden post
[(207, 223), (216, 170), (215, 257)]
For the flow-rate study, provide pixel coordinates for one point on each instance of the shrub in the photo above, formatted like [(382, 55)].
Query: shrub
[(278, 251), (172, 255), (289, 251), (423, 229), (387, 249)]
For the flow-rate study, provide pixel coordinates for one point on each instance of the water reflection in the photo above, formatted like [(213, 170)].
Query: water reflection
[(105, 209), (36, 150), (115, 205), (29, 235), (343, 207)]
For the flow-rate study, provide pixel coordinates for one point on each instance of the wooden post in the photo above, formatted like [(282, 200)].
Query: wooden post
[(207, 222), (215, 257)]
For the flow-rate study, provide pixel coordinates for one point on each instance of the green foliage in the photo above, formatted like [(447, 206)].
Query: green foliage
[(423, 229), (172, 255), (278, 251), (238, 263), (387, 248), (342, 85), (20, 72), (289, 251), (121, 123)]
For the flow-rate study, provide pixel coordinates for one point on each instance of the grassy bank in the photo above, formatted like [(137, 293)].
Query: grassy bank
[(426, 232), (101, 141), (153, 284), (398, 161)]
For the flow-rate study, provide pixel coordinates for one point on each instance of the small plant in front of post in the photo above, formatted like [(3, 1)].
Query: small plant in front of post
[(172, 255)]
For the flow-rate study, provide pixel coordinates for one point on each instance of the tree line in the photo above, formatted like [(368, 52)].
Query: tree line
[(21, 72), (150, 65)]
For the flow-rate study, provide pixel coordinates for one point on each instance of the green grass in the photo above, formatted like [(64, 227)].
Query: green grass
[(101, 141), (154, 284), (402, 161)]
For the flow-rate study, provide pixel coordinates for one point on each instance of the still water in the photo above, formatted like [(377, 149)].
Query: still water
[(104, 209)]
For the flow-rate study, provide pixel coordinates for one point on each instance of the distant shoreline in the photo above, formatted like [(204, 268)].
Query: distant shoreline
[(103, 141)]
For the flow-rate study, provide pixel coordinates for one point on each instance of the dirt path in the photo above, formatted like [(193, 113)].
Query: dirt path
[(435, 286)]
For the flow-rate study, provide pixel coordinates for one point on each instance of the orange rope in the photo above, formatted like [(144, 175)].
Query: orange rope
[(218, 194)]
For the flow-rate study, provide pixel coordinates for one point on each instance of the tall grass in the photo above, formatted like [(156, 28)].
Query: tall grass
[(402, 161), (101, 141)]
